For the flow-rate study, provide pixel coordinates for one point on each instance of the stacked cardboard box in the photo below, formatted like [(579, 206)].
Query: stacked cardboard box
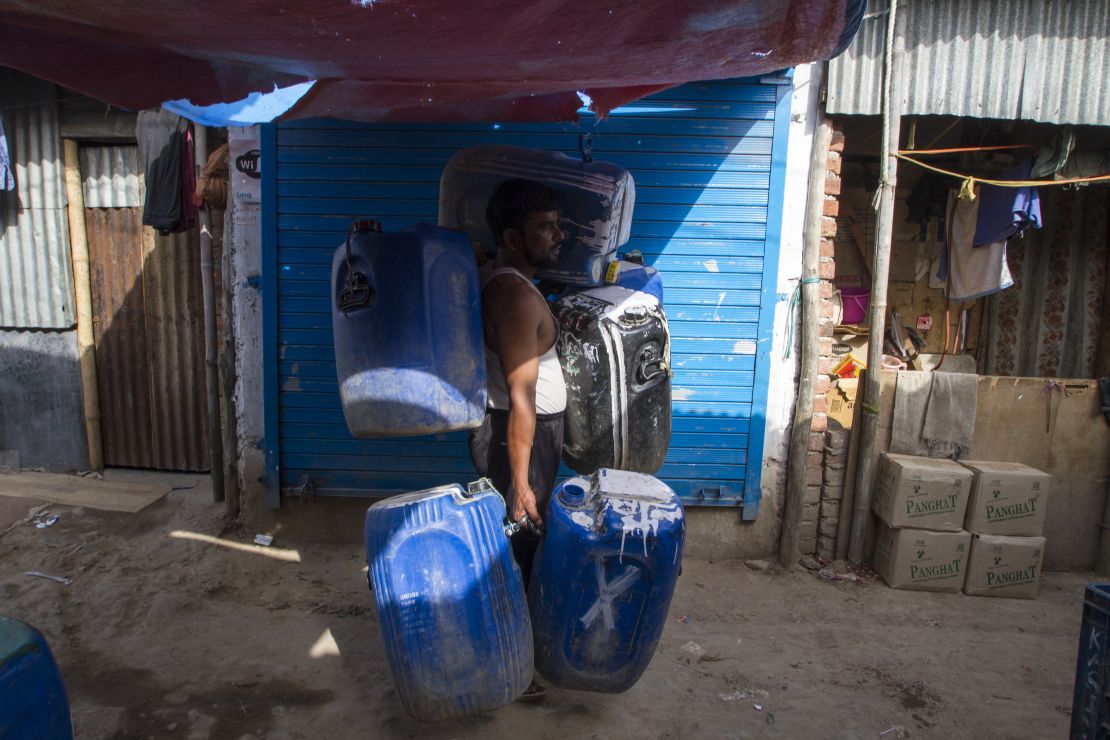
[(921, 544), (947, 526), (1006, 517)]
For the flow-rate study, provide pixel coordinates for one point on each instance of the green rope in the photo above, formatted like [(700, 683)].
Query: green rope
[(794, 298)]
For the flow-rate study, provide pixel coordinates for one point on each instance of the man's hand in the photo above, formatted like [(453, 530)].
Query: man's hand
[(523, 501)]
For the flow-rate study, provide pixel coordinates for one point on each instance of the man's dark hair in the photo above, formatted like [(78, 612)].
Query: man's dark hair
[(513, 200)]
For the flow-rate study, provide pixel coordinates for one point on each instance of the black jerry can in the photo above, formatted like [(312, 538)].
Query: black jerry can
[(615, 349)]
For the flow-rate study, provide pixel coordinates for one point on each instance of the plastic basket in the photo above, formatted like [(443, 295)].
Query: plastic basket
[(854, 303), (1090, 718)]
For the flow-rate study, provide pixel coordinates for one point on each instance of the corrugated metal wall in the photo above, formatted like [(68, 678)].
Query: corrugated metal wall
[(704, 157), (110, 177), (36, 278), (148, 323), (1005, 59)]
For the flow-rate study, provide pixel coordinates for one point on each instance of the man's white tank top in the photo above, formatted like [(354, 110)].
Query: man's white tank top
[(551, 389)]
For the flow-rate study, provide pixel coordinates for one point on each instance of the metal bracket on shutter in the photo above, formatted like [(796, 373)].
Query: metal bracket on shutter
[(713, 496)]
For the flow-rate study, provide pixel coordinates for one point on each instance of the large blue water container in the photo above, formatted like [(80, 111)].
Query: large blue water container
[(33, 701), (603, 579), (450, 600), (635, 275), (596, 200), (407, 322)]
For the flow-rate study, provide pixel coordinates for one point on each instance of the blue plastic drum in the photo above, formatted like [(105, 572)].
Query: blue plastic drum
[(33, 701), (450, 601), (407, 322), (603, 579)]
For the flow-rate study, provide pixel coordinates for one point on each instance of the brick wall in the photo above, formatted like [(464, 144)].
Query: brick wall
[(815, 524)]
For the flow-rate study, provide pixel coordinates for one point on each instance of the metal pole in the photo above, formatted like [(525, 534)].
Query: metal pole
[(869, 419), (809, 354), (208, 288), (82, 289)]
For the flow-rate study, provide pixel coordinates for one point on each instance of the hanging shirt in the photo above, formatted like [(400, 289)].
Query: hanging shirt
[(1004, 212), (162, 141), (7, 172)]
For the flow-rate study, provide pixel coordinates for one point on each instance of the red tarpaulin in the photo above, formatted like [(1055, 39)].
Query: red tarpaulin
[(414, 60)]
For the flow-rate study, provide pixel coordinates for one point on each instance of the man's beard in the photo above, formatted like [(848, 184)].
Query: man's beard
[(549, 259)]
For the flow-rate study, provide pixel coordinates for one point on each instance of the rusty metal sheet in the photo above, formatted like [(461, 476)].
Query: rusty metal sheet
[(149, 342), (119, 334), (175, 337)]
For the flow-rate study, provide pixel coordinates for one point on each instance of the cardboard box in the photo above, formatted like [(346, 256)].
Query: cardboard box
[(921, 559), (842, 401), (1007, 499), (849, 346), (1004, 566), (921, 492)]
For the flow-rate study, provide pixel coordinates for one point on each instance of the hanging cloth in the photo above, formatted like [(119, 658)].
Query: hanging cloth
[(188, 217), (926, 202), (1053, 155), (1005, 212), (161, 139), (971, 272), (7, 171)]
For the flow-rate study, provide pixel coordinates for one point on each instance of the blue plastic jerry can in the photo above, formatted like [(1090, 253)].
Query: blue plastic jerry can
[(635, 275), (603, 579), (407, 326), (450, 600), (33, 702)]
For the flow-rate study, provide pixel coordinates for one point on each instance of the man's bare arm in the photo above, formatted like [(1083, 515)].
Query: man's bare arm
[(517, 317)]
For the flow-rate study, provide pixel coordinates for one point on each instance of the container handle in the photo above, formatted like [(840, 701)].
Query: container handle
[(478, 487), (525, 523), (484, 485), (357, 293), (661, 368)]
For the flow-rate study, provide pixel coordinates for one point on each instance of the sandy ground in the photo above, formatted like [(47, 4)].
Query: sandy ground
[(163, 637)]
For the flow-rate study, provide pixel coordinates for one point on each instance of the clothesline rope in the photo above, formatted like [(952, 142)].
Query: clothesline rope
[(967, 190), (957, 150)]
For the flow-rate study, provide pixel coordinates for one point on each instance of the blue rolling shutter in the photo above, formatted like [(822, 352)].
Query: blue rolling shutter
[(709, 163)]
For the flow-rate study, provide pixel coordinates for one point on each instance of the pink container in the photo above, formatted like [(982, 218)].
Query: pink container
[(854, 303)]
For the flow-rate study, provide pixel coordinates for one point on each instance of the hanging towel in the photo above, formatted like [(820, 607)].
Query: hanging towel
[(1004, 212), (911, 396), (950, 414), (971, 272), (7, 171)]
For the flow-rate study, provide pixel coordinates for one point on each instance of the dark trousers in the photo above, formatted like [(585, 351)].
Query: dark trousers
[(489, 451)]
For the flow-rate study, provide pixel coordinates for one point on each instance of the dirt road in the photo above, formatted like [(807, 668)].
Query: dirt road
[(163, 635)]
